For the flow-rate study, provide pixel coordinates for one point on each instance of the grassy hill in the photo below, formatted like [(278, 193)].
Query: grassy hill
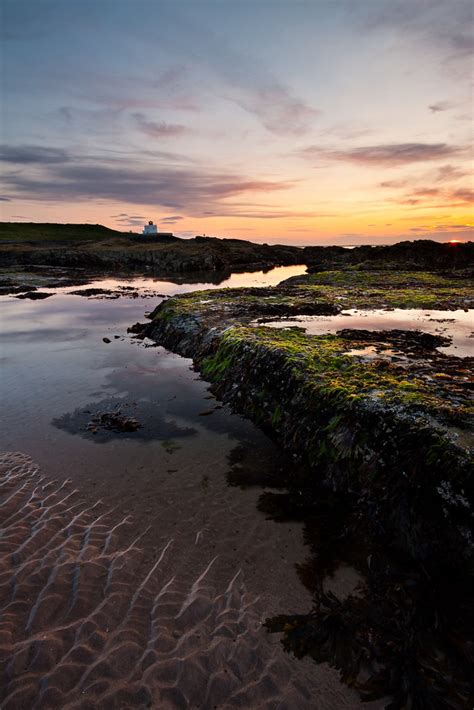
[(50, 232), (94, 246)]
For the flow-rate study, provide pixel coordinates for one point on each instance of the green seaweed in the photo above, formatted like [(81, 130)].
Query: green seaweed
[(385, 279), (170, 446), (376, 430), (323, 363)]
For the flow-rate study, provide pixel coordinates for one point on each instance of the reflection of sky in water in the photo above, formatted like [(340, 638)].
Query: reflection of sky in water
[(457, 325), (210, 280), (55, 365)]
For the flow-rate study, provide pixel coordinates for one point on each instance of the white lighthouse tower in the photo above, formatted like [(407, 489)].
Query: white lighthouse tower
[(150, 229)]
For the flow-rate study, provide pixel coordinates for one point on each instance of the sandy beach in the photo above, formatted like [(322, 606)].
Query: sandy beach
[(92, 618)]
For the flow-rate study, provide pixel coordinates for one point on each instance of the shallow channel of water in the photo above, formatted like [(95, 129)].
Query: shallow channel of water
[(457, 325), (177, 476), (55, 368)]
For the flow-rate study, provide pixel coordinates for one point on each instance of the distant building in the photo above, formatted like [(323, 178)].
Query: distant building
[(150, 229), (151, 233)]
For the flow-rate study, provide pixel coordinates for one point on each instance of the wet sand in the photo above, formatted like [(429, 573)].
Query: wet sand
[(94, 616)]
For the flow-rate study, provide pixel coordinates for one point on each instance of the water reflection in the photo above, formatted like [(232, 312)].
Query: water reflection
[(56, 368), (182, 283), (152, 423), (457, 325)]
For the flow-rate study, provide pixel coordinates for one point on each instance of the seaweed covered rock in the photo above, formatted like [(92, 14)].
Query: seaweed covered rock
[(395, 433), (392, 433)]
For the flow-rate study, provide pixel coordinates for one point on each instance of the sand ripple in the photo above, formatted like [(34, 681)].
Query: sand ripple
[(87, 621)]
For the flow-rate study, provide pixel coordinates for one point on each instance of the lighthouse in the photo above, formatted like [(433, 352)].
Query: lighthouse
[(150, 233), (150, 229)]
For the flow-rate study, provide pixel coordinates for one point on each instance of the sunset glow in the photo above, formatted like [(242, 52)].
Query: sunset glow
[(300, 122)]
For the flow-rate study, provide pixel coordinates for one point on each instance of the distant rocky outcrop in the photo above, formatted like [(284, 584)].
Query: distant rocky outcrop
[(99, 248), (417, 255)]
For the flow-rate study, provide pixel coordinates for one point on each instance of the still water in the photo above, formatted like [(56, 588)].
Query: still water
[(188, 480), (56, 373), (457, 325), (171, 474)]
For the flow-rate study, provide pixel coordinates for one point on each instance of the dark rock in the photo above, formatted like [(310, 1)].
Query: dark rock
[(86, 292), (385, 438), (407, 340), (114, 421), (139, 329), (34, 295), (7, 288), (385, 444)]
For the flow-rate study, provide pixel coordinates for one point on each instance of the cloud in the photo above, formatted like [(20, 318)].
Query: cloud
[(119, 92), (441, 176), (393, 183), (387, 155), (185, 188), (87, 121), (244, 79), (433, 188), (121, 100), (444, 197), (124, 215), (66, 113), (408, 201), (466, 228), (160, 129), (172, 219), (346, 131), (446, 26), (426, 192), (32, 154), (5, 199), (440, 106), (171, 77), (447, 173), (196, 61), (278, 109), (463, 194), (260, 214), (130, 222)]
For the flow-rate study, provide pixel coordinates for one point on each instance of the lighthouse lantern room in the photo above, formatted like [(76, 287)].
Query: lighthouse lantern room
[(150, 229)]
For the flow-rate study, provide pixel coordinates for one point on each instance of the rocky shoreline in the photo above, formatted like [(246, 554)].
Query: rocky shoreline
[(321, 403), (394, 436), (82, 246), (95, 247)]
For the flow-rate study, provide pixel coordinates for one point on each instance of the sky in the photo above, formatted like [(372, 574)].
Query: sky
[(291, 121)]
